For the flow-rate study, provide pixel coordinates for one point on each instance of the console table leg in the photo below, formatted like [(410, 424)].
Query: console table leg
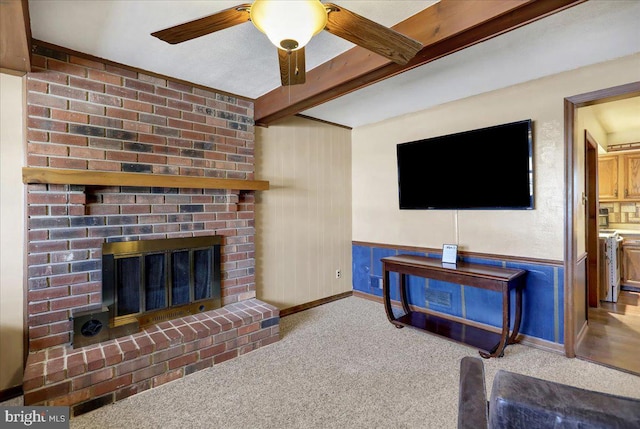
[(518, 316), (403, 293), (386, 295), (492, 352), (498, 350)]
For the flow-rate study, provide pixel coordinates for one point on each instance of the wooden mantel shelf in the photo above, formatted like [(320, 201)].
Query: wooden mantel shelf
[(58, 176)]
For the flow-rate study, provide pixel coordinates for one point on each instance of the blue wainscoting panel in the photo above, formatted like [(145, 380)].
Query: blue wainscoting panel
[(361, 267), (379, 253), (416, 287), (483, 306), (493, 262), (559, 279), (540, 316), (542, 304)]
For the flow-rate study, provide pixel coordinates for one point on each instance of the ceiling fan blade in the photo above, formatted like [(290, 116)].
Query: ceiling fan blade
[(206, 25), (292, 67), (371, 35)]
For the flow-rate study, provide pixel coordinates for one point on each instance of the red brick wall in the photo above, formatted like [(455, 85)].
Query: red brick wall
[(89, 115)]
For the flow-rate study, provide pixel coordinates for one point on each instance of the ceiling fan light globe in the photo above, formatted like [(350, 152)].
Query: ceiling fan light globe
[(284, 21)]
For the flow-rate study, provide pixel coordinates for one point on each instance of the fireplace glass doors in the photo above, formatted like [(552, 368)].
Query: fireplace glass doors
[(149, 281)]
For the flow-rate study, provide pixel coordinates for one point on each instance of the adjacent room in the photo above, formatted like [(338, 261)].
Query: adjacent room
[(311, 214)]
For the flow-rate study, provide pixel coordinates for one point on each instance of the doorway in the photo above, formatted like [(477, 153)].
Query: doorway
[(591, 217), (585, 322)]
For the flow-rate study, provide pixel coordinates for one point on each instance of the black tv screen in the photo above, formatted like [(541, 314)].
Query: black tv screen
[(488, 168)]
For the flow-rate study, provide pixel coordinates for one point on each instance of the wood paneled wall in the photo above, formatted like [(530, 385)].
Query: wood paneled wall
[(303, 222), (11, 232)]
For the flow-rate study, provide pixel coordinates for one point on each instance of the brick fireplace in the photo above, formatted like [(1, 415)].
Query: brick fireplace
[(103, 119)]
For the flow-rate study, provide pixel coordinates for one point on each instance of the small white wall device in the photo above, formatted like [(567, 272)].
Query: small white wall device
[(449, 253)]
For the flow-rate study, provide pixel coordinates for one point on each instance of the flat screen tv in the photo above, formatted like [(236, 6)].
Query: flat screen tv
[(483, 169)]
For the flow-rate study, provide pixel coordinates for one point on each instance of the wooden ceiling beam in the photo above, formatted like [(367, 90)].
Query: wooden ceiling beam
[(444, 28), (15, 37)]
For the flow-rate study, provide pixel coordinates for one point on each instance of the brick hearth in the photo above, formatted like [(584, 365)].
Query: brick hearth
[(90, 377), (86, 114)]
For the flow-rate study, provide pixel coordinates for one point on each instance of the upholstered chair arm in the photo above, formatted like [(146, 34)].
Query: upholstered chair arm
[(520, 401), (472, 401)]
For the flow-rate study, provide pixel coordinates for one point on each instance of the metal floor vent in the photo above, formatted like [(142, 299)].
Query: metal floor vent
[(438, 297)]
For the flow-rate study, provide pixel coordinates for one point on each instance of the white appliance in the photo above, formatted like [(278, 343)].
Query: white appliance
[(611, 245)]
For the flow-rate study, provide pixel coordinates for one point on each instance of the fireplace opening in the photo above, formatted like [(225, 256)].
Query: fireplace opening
[(149, 281)]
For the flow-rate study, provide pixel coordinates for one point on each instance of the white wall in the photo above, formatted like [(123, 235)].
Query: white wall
[(626, 136), (587, 120), (303, 222), (11, 231), (535, 233)]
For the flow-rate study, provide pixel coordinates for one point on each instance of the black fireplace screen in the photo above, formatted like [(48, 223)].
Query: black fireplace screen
[(153, 280)]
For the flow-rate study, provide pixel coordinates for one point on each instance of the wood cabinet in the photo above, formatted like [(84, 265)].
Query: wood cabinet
[(608, 177), (631, 264), (619, 177), (630, 177)]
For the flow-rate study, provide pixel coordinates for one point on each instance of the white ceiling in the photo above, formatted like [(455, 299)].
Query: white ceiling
[(592, 32), (618, 116), (242, 61)]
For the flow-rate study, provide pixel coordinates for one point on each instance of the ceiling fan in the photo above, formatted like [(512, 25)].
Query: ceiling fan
[(289, 25)]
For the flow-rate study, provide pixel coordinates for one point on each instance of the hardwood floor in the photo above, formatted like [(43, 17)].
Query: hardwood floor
[(613, 336)]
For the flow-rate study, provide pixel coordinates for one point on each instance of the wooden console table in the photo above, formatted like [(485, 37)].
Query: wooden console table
[(488, 277)]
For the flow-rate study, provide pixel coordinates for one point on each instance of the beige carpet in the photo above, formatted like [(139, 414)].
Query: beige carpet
[(341, 365)]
